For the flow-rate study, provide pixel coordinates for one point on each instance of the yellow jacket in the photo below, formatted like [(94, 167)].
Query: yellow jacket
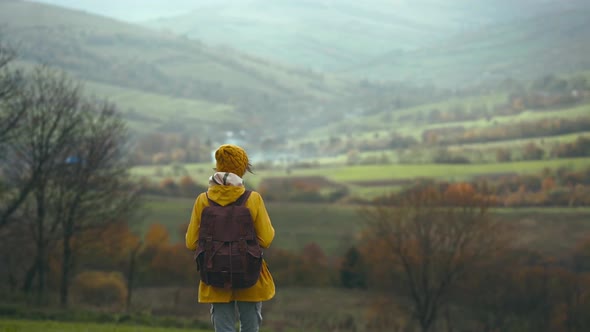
[(264, 289)]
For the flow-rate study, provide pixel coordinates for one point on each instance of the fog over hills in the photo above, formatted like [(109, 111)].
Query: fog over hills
[(376, 55), (343, 35), (166, 81)]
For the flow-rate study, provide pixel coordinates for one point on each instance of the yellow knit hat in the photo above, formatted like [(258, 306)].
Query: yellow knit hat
[(233, 159)]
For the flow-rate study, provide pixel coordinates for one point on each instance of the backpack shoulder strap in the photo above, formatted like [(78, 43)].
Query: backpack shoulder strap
[(242, 200)]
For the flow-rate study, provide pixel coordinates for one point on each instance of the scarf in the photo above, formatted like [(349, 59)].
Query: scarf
[(225, 179)]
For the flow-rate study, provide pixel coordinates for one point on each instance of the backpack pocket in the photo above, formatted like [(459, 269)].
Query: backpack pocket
[(199, 258)]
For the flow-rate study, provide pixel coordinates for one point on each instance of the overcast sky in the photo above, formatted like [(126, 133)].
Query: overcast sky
[(130, 10)]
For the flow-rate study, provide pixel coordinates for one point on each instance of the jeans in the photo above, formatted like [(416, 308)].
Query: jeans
[(225, 315)]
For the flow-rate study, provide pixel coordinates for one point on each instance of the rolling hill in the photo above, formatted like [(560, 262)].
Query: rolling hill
[(338, 35), (164, 73), (326, 35), (548, 43), (169, 83)]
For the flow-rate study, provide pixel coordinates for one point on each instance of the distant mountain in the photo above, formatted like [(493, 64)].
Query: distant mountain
[(552, 42), (166, 82), (126, 60), (339, 34), (327, 35), (128, 10)]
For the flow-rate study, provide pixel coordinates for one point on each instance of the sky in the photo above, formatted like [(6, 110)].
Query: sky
[(130, 10)]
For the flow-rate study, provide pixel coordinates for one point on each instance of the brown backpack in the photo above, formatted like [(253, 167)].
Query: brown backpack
[(228, 254)]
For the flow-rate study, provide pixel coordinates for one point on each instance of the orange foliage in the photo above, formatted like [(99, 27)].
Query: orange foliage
[(114, 241), (313, 254), (173, 263), (548, 184), (168, 183), (459, 193), (186, 182), (100, 288), (157, 235)]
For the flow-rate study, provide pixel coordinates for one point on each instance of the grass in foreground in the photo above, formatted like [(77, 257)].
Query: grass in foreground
[(52, 326)]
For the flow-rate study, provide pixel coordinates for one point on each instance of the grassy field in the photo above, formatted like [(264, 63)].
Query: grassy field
[(296, 224), (293, 309), (524, 117), (336, 227), (288, 311), (351, 174), (146, 111), (51, 326), (368, 181), (386, 122)]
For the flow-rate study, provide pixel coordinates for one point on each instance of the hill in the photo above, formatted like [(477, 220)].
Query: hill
[(327, 35), (123, 58), (554, 42), (171, 84), (337, 35)]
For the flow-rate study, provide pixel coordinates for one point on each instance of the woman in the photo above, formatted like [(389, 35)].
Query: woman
[(225, 187)]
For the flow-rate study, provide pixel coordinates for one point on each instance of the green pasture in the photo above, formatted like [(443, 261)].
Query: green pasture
[(157, 108), (53, 326), (335, 227), (451, 172), (352, 175), (296, 224), (540, 141), (379, 123), (478, 153), (524, 117), (383, 124)]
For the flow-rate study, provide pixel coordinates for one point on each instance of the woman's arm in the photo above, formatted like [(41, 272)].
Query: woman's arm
[(192, 233), (262, 224)]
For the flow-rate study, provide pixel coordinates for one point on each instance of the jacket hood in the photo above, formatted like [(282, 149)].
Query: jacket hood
[(224, 195)]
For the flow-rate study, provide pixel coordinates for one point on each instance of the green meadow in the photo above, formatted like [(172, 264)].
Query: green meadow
[(296, 224), (335, 227), (359, 173)]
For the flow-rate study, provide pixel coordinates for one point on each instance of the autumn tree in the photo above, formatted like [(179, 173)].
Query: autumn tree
[(110, 247), (431, 241)]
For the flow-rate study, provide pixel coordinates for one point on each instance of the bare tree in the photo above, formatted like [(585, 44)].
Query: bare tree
[(91, 187), (10, 84), (432, 240), (49, 131)]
